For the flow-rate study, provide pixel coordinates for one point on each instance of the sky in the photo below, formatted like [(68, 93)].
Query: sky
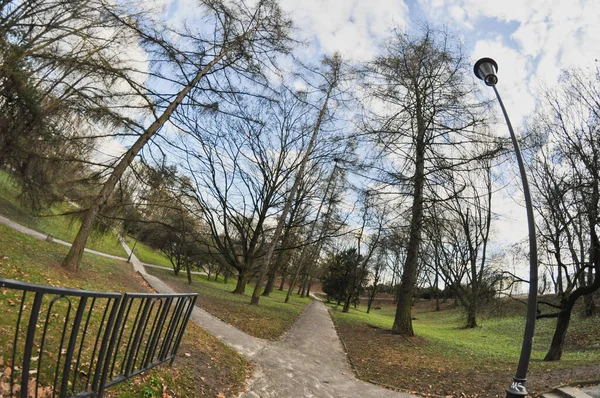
[(532, 41)]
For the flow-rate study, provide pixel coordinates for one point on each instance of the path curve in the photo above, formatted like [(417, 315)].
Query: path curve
[(308, 362)]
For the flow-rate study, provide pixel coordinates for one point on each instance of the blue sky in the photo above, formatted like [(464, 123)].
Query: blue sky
[(531, 38), (527, 38), (532, 41)]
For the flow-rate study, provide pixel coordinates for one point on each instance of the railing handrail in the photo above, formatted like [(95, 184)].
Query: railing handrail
[(152, 338), (33, 287)]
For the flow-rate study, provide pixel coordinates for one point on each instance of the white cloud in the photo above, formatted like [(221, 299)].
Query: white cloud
[(352, 27), (107, 150), (556, 34)]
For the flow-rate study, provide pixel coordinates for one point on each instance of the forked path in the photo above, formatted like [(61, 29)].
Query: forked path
[(308, 362)]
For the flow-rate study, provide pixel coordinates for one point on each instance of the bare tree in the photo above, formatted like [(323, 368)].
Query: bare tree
[(331, 76), (295, 223), (377, 270), (424, 119), (375, 220), (242, 40), (322, 227), (460, 230), (566, 163), (239, 167)]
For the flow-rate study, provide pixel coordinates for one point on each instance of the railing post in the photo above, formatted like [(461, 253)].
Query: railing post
[(136, 340), (151, 348), (103, 355), (184, 325), (112, 331), (71, 347), (31, 327)]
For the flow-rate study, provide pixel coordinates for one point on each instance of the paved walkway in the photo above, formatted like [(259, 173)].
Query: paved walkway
[(308, 362), (41, 236), (238, 340)]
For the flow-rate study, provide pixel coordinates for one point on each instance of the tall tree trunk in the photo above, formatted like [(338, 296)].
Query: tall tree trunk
[(347, 303), (403, 319), (371, 298), (308, 255), (352, 287), (437, 290), (73, 258), (188, 269), (299, 176), (471, 316), (240, 287), (288, 230), (558, 339), (283, 278), (304, 286), (270, 285), (293, 281), (589, 305), (560, 281)]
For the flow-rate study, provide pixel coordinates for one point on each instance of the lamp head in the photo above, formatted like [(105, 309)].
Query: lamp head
[(485, 69)]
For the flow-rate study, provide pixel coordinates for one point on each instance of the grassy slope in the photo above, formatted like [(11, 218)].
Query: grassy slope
[(210, 369), (148, 255), (444, 350), (269, 320), (62, 227)]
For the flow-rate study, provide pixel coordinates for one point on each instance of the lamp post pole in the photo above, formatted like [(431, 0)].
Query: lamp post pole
[(485, 69), (131, 251)]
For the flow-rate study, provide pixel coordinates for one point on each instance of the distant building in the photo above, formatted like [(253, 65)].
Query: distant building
[(510, 286)]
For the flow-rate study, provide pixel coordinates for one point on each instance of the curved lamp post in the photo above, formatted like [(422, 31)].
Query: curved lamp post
[(485, 69)]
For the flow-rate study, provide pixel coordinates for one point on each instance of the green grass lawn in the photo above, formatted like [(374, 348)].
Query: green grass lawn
[(148, 255), (209, 368), (64, 227), (493, 339), (269, 320), (445, 354)]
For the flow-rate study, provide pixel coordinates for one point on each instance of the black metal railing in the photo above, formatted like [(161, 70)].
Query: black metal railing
[(75, 343)]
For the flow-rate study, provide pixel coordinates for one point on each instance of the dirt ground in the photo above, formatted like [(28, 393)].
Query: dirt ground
[(406, 364), (422, 375)]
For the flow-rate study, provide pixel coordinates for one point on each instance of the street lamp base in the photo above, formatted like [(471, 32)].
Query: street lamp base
[(517, 389)]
